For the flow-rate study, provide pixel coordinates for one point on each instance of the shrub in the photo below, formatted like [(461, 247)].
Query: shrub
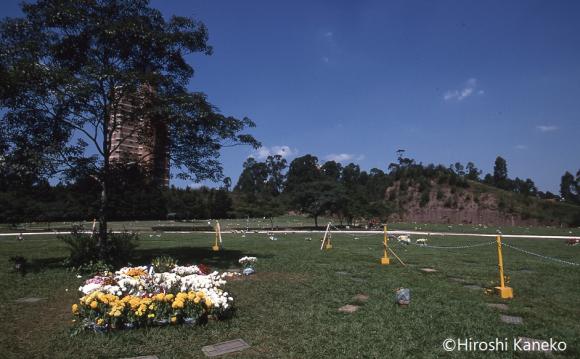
[(84, 248)]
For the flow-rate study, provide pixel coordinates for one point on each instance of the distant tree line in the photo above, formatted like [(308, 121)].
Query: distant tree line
[(264, 189)]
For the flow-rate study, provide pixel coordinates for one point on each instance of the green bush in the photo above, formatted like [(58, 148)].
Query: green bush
[(84, 248)]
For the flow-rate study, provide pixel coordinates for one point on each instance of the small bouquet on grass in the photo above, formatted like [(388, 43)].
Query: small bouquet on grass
[(249, 265)]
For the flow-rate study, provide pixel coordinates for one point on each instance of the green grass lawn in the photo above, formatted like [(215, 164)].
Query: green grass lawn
[(289, 309)]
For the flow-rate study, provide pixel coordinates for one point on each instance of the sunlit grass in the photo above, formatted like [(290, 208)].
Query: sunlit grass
[(289, 309)]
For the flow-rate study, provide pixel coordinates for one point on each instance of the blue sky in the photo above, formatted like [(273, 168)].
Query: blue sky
[(446, 80)]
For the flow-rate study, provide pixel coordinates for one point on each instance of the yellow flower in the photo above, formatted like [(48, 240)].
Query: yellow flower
[(178, 304), (160, 296), (196, 300), (151, 315), (94, 304), (75, 308), (173, 319), (100, 321), (168, 297), (134, 303), (200, 294), (117, 313), (191, 295), (208, 302)]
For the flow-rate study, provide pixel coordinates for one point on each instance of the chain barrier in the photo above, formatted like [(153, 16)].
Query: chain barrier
[(454, 247), (336, 229), (540, 256)]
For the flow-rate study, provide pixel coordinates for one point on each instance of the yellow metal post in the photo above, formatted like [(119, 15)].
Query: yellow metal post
[(326, 239), (216, 246), (328, 242), (385, 259), (503, 291)]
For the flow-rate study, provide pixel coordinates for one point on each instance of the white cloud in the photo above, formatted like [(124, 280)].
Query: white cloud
[(344, 157), (263, 152), (468, 89), (547, 128), (521, 147)]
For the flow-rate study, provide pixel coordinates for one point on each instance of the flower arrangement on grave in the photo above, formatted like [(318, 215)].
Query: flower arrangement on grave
[(136, 297), (248, 264)]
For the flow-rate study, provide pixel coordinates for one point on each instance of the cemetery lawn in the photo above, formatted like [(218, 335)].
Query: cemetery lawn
[(289, 309)]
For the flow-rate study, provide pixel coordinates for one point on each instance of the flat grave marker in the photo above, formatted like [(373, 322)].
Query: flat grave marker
[(510, 319), (349, 308), (29, 300), (472, 286), (500, 306), (428, 270), (230, 346), (458, 280)]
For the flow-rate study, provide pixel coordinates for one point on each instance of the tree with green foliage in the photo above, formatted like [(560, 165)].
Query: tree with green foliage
[(305, 187), (500, 173), (276, 166), (472, 172), (258, 189), (69, 68), (569, 188)]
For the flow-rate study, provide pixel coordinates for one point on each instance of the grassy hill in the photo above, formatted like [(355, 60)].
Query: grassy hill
[(474, 203)]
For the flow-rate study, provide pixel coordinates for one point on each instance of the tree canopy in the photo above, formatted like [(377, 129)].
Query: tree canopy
[(75, 72)]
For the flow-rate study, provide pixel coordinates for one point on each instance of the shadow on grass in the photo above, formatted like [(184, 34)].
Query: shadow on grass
[(223, 259), (42, 264)]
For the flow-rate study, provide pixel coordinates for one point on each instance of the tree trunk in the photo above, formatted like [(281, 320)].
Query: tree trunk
[(316, 221), (103, 209), (102, 241)]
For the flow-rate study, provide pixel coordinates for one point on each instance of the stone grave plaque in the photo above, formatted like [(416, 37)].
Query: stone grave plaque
[(349, 308), (225, 347), (428, 270), (472, 287), (511, 319), (499, 306), (29, 300)]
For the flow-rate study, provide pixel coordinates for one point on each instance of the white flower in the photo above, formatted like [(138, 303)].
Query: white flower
[(246, 259), (186, 270), (89, 288)]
